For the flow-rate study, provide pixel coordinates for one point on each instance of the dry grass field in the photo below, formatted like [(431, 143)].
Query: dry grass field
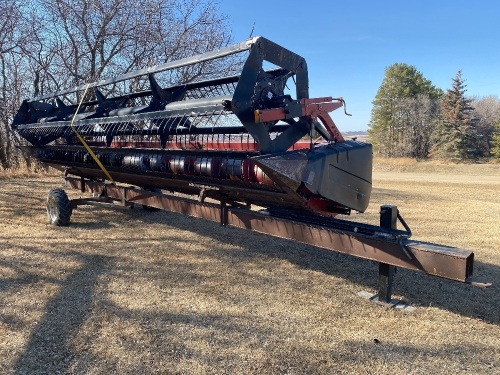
[(135, 292)]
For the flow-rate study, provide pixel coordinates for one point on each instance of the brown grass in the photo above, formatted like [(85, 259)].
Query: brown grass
[(133, 292), (35, 170)]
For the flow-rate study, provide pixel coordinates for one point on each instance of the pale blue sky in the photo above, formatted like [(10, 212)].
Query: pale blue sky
[(348, 44)]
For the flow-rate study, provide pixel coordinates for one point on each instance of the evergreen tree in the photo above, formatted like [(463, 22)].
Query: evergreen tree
[(388, 124), (495, 142), (456, 137)]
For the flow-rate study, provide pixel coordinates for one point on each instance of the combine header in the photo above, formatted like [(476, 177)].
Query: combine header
[(195, 127)]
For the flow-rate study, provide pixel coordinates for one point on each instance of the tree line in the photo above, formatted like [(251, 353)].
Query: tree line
[(48, 45), (413, 118)]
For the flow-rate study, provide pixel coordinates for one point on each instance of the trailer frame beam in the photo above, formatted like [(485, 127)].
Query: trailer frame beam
[(377, 243)]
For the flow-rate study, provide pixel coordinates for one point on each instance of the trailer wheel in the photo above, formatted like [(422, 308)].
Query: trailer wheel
[(58, 207)]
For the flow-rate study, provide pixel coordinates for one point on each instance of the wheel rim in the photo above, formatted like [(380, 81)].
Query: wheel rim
[(52, 209)]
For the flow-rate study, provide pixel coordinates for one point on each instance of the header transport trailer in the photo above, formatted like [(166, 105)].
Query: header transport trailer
[(196, 130)]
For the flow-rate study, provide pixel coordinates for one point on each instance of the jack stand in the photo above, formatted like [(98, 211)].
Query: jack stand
[(386, 272), (388, 219)]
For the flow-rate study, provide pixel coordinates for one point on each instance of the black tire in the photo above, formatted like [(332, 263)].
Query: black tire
[(58, 207)]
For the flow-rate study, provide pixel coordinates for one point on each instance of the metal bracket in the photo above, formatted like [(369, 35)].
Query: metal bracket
[(316, 108), (204, 189)]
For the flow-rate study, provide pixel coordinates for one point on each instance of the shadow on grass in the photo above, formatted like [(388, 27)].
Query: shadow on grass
[(418, 289), (356, 352), (48, 350), (23, 278), (59, 343)]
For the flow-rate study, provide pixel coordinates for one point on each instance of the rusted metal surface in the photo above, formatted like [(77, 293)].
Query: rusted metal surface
[(316, 108), (319, 108), (381, 245), (437, 260)]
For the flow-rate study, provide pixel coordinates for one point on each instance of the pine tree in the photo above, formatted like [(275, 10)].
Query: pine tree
[(455, 136), (495, 142)]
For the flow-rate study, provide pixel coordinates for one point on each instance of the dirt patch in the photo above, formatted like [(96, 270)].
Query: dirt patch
[(134, 292)]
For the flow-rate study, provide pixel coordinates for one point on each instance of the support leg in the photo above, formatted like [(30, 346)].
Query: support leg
[(388, 219), (385, 282), (223, 213)]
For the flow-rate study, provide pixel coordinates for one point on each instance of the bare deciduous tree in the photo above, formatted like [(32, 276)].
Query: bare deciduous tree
[(12, 38), (94, 39), (487, 114), (414, 120), (47, 45)]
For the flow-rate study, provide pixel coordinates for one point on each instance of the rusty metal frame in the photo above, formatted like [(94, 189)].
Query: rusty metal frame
[(315, 108), (381, 245)]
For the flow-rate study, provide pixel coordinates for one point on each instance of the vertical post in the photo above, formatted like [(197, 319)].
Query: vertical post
[(223, 213), (388, 219), (82, 185)]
